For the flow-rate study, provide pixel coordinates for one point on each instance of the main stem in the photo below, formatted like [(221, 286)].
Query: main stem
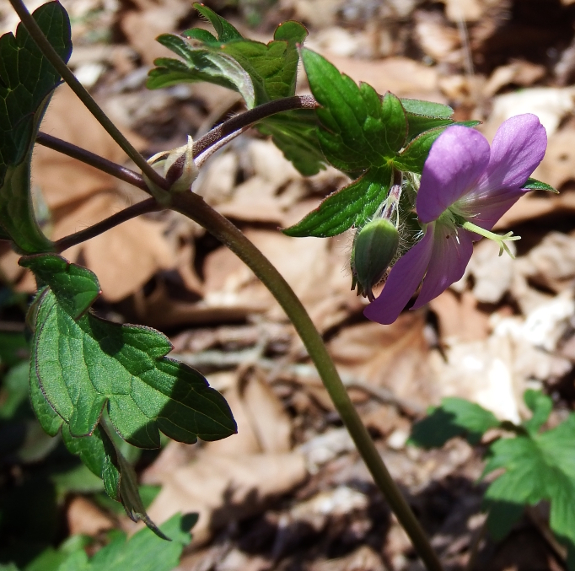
[(195, 208), (53, 57)]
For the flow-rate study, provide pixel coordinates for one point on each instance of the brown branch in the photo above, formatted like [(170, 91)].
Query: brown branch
[(144, 207), (92, 159)]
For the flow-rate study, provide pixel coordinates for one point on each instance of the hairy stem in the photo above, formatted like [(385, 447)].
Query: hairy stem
[(195, 208), (252, 116), (92, 159), (61, 67), (144, 207)]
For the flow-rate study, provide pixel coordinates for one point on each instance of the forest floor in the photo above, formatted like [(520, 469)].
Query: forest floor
[(289, 491)]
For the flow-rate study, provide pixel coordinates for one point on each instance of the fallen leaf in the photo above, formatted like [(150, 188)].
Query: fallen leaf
[(223, 489)]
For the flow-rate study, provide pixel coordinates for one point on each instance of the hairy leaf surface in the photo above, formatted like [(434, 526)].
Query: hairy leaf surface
[(27, 80)]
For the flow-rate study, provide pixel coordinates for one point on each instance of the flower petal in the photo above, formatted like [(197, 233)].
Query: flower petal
[(449, 258), (489, 208), (402, 282), (517, 149), (455, 163)]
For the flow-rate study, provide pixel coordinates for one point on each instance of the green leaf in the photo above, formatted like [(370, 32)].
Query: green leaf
[(359, 130), (295, 134), (540, 405), (427, 109), (143, 551), (454, 417), (534, 184), (226, 32), (27, 81), (352, 205), (75, 287), (537, 467), (413, 157), (259, 72), (89, 363)]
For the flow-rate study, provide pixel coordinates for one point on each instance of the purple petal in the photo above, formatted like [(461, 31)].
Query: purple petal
[(452, 250), (402, 282), (517, 149), (488, 209), (455, 163)]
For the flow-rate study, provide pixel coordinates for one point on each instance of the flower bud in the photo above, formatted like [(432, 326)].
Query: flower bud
[(374, 248)]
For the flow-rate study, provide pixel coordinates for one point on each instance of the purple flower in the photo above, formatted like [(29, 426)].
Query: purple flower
[(464, 185)]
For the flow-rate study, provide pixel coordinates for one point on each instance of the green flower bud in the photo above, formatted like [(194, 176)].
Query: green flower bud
[(374, 248)]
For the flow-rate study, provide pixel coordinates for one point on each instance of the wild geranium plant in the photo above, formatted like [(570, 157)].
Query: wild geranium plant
[(423, 188)]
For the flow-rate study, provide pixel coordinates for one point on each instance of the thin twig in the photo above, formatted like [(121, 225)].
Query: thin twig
[(144, 207), (96, 161), (252, 116)]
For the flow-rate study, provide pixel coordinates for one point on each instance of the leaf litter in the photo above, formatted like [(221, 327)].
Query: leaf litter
[(289, 491)]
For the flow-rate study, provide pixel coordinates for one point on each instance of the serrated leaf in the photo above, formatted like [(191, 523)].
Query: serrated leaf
[(540, 405), (413, 157), (359, 130), (143, 551), (295, 134), (537, 467), (226, 32), (259, 72), (75, 287), (352, 205), (27, 81), (427, 108), (534, 184), (454, 417), (83, 365)]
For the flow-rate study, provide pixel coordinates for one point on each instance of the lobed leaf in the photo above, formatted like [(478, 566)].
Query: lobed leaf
[(259, 72), (537, 467), (358, 129), (454, 417), (352, 205), (86, 373), (88, 363), (27, 80)]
